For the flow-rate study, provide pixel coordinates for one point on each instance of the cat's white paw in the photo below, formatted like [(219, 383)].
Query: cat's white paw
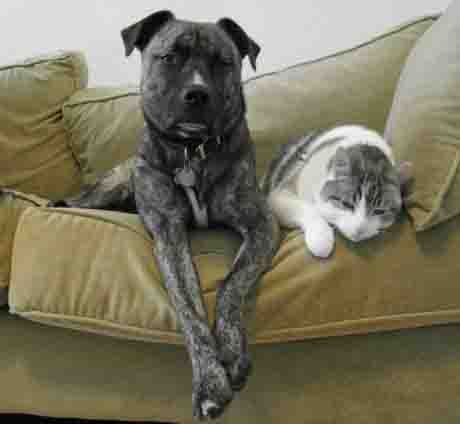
[(319, 237)]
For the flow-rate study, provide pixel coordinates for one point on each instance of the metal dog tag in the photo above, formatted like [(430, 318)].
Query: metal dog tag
[(186, 177), (202, 151)]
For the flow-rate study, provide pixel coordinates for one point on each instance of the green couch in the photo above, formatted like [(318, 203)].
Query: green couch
[(367, 336)]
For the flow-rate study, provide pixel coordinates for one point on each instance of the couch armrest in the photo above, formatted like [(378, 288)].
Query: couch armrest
[(353, 86)]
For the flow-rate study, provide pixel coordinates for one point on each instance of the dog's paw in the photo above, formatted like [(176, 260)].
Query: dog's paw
[(233, 352), (211, 390)]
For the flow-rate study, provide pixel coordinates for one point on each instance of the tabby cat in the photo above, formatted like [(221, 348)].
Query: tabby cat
[(344, 178)]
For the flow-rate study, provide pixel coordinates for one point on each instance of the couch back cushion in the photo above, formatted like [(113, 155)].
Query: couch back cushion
[(104, 126), (353, 86), (35, 155), (424, 124)]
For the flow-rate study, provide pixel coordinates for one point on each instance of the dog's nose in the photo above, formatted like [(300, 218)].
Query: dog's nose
[(196, 95)]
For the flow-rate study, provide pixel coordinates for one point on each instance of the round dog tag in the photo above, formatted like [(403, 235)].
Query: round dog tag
[(186, 177)]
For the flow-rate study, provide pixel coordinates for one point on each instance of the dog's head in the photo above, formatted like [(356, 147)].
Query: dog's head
[(191, 73)]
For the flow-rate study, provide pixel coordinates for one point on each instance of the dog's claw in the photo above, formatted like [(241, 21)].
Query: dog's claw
[(210, 409), (212, 391)]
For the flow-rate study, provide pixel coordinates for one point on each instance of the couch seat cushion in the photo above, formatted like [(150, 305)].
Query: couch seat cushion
[(12, 205), (94, 271)]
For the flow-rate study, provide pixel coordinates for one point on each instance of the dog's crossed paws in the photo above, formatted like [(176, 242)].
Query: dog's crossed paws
[(212, 391), (216, 378)]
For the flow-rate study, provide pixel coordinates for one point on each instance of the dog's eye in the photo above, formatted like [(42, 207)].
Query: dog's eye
[(225, 60), (169, 58)]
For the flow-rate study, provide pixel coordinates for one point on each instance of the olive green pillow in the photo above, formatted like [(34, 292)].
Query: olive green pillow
[(424, 124), (104, 127), (35, 155), (355, 86)]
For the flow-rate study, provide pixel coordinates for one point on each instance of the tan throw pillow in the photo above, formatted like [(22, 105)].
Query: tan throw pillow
[(424, 123), (104, 126), (353, 86), (35, 155)]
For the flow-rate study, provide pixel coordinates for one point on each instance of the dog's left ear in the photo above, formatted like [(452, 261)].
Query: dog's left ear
[(246, 45), (139, 34)]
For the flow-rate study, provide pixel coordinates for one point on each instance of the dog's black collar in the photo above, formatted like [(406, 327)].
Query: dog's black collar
[(199, 147)]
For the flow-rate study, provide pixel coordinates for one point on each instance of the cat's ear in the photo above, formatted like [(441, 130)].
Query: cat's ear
[(341, 163), (406, 177)]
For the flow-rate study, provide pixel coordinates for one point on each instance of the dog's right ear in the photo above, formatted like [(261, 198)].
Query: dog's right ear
[(139, 34), (246, 45)]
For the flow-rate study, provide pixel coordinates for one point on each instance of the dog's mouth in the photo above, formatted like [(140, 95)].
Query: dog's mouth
[(191, 130)]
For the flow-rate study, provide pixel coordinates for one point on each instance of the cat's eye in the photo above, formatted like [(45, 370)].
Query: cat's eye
[(339, 202), (347, 205), (379, 212)]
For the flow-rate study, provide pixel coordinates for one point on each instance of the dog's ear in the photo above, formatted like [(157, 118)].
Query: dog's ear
[(139, 34), (246, 45)]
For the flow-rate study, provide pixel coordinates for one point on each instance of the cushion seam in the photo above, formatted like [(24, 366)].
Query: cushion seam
[(444, 316), (103, 99), (270, 336), (56, 58)]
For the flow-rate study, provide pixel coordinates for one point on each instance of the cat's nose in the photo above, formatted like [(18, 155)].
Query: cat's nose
[(358, 234)]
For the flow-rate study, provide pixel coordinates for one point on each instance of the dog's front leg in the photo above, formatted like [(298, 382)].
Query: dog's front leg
[(113, 190), (248, 214), (165, 213)]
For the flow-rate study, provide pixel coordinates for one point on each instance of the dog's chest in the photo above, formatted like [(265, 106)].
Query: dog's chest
[(197, 178)]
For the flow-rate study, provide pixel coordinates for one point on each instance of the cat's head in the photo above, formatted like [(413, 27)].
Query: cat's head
[(363, 193)]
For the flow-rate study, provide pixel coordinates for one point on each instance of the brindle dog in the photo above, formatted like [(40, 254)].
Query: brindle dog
[(196, 165)]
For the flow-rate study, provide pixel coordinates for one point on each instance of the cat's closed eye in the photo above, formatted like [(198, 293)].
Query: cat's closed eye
[(379, 212), (339, 202)]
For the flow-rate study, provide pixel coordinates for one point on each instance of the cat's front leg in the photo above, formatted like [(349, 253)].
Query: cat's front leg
[(319, 236), (294, 212)]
